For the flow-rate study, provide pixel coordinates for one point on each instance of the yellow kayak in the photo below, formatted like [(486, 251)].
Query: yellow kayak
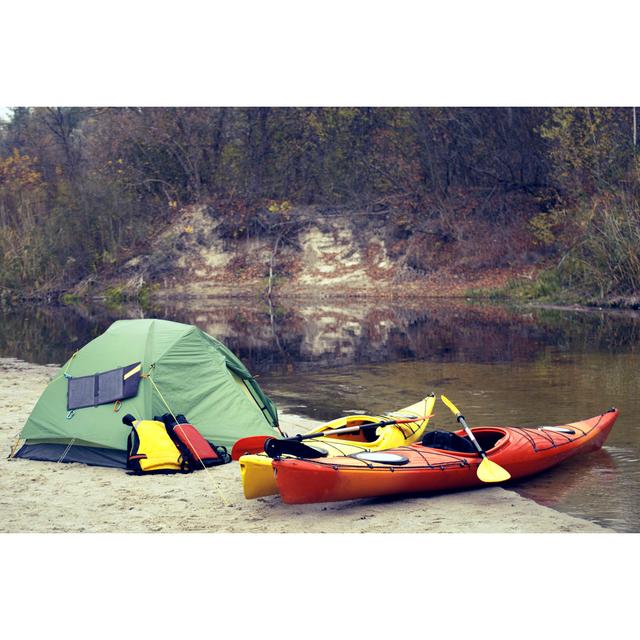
[(257, 473)]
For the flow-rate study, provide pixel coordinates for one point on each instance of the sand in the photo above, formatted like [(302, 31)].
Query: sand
[(52, 497)]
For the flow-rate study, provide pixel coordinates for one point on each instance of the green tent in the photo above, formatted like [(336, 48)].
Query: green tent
[(182, 370)]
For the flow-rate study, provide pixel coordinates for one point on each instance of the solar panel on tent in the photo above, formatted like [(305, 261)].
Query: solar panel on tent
[(103, 388), (81, 392), (110, 386)]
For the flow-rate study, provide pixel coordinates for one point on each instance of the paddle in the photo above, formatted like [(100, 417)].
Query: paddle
[(274, 448), (255, 444), (248, 445), (488, 471)]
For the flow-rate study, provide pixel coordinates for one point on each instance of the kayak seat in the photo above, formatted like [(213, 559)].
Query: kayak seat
[(366, 435), (447, 441)]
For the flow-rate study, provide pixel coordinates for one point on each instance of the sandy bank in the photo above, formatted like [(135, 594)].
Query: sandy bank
[(50, 497)]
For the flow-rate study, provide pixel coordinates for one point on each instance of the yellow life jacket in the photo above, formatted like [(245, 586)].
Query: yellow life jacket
[(152, 450)]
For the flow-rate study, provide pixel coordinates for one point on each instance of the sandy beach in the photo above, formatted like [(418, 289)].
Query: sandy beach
[(51, 497)]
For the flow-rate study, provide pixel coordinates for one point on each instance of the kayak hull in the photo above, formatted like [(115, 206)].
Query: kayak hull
[(257, 470), (521, 451)]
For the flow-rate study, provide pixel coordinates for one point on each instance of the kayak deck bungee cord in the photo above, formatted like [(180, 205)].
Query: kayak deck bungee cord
[(258, 478), (521, 451)]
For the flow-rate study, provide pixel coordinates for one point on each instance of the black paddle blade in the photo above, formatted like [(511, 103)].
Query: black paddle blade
[(275, 448)]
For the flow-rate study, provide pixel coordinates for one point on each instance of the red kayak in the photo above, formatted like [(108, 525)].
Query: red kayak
[(417, 468)]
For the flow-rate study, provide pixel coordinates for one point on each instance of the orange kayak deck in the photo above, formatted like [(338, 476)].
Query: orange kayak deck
[(522, 451)]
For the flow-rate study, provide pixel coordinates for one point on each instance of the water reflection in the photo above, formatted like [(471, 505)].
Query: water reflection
[(503, 365), (319, 335)]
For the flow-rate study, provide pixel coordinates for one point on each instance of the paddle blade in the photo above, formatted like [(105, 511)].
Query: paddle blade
[(276, 448), (248, 445), (489, 471), (452, 407)]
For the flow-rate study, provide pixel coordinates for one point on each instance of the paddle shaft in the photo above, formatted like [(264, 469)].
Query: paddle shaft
[(476, 444), (354, 429), (488, 471)]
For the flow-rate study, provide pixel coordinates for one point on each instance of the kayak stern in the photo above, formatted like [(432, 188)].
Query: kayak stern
[(257, 476)]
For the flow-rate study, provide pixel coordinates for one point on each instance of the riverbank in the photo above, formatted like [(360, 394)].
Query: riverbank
[(542, 288), (50, 497)]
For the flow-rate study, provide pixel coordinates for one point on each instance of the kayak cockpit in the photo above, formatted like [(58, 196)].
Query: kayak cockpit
[(458, 441), (365, 436), (490, 438)]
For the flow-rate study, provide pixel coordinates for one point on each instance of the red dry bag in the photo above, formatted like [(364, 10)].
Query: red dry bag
[(201, 453), (196, 450)]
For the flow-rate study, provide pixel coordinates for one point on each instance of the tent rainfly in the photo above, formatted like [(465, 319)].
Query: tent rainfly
[(146, 368)]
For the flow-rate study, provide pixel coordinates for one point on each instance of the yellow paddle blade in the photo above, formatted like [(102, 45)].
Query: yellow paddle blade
[(489, 471), (450, 404)]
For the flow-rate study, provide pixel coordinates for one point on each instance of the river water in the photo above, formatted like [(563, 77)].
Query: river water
[(501, 365)]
